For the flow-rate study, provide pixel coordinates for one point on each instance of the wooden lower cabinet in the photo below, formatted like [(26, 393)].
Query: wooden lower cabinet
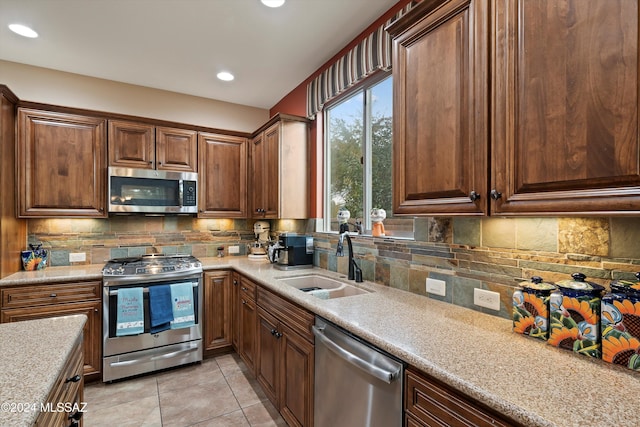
[(235, 309), (66, 394), (431, 403), (285, 357), (296, 378), (217, 294), (44, 301)]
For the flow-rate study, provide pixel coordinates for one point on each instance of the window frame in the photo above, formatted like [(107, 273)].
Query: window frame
[(362, 87)]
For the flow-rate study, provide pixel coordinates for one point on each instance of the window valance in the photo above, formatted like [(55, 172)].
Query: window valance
[(371, 54)]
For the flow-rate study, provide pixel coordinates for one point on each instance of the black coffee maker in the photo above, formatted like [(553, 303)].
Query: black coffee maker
[(292, 251)]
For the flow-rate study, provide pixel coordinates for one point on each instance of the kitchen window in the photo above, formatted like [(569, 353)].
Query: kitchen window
[(358, 161)]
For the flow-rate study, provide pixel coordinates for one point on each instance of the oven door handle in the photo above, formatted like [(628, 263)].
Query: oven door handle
[(145, 290)]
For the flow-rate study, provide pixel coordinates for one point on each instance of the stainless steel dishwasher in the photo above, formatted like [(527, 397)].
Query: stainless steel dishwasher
[(356, 384)]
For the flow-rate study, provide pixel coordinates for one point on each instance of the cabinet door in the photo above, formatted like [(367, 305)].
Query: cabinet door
[(440, 123), (92, 345), (565, 107), (61, 165), (223, 176), (217, 310), (247, 338), (131, 145), (264, 173), (268, 355), (176, 149), (296, 378)]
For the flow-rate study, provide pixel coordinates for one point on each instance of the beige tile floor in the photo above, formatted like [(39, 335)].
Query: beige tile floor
[(217, 392)]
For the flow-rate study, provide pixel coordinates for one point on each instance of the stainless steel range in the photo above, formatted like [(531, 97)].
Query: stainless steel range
[(132, 348)]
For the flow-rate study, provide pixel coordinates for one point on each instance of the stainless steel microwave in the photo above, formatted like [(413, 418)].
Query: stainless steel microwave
[(152, 191)]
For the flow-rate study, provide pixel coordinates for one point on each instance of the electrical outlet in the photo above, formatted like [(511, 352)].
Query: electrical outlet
[(436, 287), (235, 249), (77, 257), (486, 299)]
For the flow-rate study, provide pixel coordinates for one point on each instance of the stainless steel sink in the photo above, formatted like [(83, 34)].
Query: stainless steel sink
[(323, 287)]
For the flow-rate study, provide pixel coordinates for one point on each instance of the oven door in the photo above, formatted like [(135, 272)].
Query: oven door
[(114, 345)]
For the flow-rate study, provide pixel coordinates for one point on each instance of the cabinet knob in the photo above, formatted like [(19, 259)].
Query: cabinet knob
[(53, 295), (474, 196), (274, 332), (73, 379), (278, 335), (235, 282), (76, 416), (244, 302), (495, 195)]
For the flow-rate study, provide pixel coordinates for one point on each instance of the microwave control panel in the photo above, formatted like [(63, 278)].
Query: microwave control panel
[(189, 193)]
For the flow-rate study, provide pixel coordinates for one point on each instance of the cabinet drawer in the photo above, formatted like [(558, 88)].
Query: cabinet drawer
[(297, 318), (436, 405), (247, 289), (28, 296)]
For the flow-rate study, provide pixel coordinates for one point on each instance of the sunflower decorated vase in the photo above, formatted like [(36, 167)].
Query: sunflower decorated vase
[(620, 313), (34, 259), (531, 308), (575, 316)]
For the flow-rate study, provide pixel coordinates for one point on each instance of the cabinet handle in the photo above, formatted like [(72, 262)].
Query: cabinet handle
[(95, 310), (53, 295), (73, 379), (76, 416), (235, 283), (278, 335), (244, 288), (274, 332), (474, 196), (244, 302), (495, 195)]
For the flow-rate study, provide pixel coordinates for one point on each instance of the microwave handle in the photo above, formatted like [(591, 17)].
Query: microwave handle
[(181, 193)]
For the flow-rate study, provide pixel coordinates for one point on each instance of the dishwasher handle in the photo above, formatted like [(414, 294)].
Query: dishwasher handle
[(373, 370)]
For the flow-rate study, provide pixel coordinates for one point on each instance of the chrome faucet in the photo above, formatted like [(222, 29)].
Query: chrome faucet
[(354, 271)]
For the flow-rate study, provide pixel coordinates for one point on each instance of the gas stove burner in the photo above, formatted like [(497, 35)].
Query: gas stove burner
[(152, 264)]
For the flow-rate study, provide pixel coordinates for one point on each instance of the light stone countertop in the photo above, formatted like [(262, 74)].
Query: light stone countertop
[(32, 355), (475, 353)]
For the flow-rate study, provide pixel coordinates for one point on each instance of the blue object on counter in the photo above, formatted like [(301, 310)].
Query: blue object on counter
[(130, 312), (182, 304), (160, 308)]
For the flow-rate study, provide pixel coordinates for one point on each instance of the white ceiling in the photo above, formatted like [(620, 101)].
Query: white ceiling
[(180, 45)]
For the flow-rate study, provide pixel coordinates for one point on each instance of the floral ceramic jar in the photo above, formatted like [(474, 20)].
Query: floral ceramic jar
[(620, 313), (531, 308), (575, 316)]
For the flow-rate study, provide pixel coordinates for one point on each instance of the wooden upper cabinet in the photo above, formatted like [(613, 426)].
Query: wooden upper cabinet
[(223, 176), (440, 109), (565, 107), (279, 177), (143, 146), (176, 149), (131, 144), (61, 165)]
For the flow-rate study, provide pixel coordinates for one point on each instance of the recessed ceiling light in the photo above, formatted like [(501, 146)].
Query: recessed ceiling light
[(23, 30), (225, 76), (272, 3)]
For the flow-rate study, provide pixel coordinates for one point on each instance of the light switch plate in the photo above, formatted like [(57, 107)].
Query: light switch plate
[(486, 299), (77, 257), (234, 249), (436, 287)]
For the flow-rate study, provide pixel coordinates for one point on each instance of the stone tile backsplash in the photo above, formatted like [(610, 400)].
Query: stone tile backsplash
[(467, 253)]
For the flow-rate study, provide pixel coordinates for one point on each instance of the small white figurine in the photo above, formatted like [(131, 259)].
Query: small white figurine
[(377, 216), (343, 220)]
